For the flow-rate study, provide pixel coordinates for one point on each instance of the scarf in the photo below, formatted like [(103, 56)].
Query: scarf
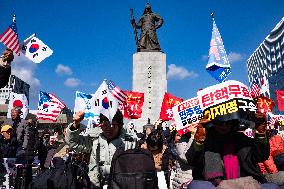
[(216, 166)]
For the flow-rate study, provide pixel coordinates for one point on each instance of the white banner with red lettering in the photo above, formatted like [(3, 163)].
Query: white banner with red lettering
[(187, 115)]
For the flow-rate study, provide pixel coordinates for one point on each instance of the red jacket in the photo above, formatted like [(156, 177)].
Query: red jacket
[(276, 147)]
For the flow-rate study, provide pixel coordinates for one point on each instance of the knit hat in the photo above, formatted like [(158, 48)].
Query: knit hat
[(5, 128)]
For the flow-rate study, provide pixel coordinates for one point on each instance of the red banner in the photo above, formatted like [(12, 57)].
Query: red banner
[(169, 101), (280, 99), (132, 108), (265, 104)]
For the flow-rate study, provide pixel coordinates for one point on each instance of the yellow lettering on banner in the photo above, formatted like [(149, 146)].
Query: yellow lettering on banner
[(170, 101), (223, 110), (212, 113), (216, 111), (232, 106), (177, 102), (207, 113)]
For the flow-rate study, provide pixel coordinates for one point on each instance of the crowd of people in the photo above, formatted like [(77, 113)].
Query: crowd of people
[(114, 155)]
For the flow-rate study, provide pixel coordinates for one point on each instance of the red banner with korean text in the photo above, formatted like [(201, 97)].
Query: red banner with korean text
[(132, 108), (169, 102), (265, 105)]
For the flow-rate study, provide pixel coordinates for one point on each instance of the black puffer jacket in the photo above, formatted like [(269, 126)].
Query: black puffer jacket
[(8, 148)]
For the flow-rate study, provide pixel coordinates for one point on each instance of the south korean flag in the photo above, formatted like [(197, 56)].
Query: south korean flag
[(35, 50)]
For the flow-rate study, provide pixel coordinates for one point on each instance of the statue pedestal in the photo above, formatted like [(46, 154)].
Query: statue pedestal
[(149, 77)]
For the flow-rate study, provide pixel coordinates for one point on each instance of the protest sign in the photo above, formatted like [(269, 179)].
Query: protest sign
[(226, 101), (272, 119), (187, 115)]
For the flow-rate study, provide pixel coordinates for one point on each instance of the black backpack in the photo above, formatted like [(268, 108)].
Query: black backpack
[(40, 181), (133, 169), (71, 175)]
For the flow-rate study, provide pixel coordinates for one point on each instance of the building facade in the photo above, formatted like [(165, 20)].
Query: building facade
[(15, 85), (267, 61)]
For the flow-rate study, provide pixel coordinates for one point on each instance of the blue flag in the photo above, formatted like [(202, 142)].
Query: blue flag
[(218, 64), (83, 102)]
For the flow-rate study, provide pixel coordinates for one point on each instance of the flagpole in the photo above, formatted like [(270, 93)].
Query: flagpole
[(14, 18), (212, 16)]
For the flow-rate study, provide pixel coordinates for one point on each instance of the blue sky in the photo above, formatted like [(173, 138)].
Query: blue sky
[(93, 40)]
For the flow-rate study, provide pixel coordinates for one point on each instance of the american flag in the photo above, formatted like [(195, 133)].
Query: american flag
[(10, 37), (49, 107), (117, 92), (255, 89)]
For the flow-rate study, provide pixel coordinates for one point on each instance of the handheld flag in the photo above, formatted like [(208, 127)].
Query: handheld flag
[(218, 64), (254, 88), (280, 100), (18, 100), (83, 102), (10, 37), (35, 50), (265, 105), (104, 102), (49, 107), (132, 108), (117, 92), (168, 103), (265, 87)]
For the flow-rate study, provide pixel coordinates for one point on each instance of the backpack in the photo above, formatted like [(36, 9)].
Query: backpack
[(133, 169), (70, 175), (40, 181)]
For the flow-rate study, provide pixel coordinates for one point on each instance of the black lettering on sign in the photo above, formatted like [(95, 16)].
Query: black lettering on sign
[(104, 92)]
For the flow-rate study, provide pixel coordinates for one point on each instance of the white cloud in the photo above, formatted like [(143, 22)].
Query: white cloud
[(179, 73), (234, 57), (72, 82), (63, 70), (24, 69)]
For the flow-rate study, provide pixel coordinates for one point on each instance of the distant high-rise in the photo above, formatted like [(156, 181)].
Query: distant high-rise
[(15, 85), (267, 61)]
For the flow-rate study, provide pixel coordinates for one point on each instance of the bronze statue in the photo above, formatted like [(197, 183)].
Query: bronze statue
[(148, 23)]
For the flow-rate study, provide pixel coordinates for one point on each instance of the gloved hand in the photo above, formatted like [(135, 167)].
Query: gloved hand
[(200, 134), (260, 123)]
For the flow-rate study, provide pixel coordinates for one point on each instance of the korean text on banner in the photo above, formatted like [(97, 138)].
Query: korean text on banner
[(226, 101), (133, 105), (187, 115)]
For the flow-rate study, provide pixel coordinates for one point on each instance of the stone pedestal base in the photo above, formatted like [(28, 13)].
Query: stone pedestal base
[(149, 77)]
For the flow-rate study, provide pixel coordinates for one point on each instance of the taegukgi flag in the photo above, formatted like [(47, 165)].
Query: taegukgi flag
[(18, 100), (35, 50), (104, 102), (218, 64)]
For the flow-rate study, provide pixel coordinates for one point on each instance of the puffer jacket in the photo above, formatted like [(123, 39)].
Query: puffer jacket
[(183, 170), (101, 151), (276, 143)]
